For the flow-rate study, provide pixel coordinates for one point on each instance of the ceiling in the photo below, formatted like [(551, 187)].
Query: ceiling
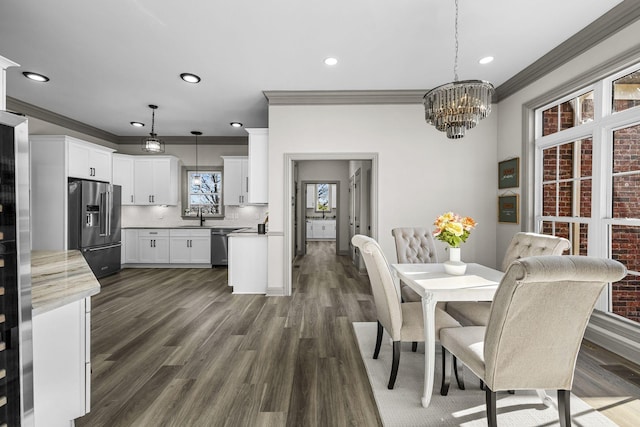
[(108, 60)]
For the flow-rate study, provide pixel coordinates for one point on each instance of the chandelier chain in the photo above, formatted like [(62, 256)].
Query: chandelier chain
[(455, 64)]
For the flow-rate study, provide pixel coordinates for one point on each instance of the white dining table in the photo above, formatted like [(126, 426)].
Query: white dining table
[(479, 283)]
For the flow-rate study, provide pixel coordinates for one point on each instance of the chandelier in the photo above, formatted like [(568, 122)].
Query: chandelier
[(152, 144), (458, 106)]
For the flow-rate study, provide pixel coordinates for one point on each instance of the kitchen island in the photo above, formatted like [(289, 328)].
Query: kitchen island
[(63, 284), (248, 261)]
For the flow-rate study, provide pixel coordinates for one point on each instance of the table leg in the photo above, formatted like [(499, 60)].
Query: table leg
[(429, 312)]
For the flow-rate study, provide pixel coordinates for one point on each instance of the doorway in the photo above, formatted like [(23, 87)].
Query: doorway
[(293, 164), (319, 214)]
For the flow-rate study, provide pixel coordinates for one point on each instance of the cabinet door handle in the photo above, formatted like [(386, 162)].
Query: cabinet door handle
[(247, 178), (132, 198), (149, 199), (153, 198)]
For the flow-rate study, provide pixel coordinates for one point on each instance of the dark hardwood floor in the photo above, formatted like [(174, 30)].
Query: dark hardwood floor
[(174, 347)]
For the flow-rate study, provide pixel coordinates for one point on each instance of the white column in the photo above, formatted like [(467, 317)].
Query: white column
[(4, 64)]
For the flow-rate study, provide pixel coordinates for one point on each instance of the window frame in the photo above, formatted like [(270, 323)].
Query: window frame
[(186, 200)]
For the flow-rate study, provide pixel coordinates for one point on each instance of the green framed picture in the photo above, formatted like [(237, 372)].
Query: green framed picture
[(509, 209), (509, 173)]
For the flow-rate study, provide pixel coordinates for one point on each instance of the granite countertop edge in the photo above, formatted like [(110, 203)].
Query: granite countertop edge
[(59, 278)]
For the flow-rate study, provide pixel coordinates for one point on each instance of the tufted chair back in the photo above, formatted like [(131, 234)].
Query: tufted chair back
[(414, 245), (531, 244)]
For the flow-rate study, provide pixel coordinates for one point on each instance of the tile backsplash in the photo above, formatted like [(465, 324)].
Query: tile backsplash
[(169, 216)]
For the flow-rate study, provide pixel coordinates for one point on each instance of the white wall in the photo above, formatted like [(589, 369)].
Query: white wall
[(329, 170), (421, 173), (510, 120)]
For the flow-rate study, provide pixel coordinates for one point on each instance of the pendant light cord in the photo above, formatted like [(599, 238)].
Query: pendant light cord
[(455, 64)]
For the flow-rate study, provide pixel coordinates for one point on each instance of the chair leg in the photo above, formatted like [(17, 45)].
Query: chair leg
[(457, 369), (394, 364), (376, 352), (564, 407), (482, 385), (414, 346), (446, 371), (490, 399)]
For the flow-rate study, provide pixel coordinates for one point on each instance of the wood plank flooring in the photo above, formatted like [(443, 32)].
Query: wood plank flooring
[(174, 347)]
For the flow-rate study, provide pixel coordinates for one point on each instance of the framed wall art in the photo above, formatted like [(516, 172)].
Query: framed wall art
[(509, 173), (509, 209)]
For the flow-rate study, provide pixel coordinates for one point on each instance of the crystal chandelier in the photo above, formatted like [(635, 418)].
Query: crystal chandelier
[(458, 106), (196, 178), (152, 144)]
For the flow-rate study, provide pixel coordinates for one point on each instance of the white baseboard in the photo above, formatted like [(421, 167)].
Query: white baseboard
[(275, 292), (616, 334)]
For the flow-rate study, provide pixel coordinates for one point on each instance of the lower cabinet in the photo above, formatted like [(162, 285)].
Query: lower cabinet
[(62, 364), (153, 246), (247, 270), (166, 246), (322, 229), (189, 246)]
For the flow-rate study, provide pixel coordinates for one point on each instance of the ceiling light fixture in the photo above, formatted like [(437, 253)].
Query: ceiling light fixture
[(196, 178), (190, 78), (152, 144), (458, 106), (35, 76), (486, 60), (235, 124), (137, 124), (331, 61)]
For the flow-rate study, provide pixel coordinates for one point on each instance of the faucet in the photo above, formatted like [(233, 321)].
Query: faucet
[(201, 218)]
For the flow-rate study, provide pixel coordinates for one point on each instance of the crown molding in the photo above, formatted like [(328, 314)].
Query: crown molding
[(338, 97), (178, 140), (34, 111), (607, 25)]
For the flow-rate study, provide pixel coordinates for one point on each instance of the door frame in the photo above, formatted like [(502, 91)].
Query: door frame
[(289, 161)]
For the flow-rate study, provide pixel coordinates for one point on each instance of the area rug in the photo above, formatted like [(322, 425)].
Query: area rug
[(401, 406)]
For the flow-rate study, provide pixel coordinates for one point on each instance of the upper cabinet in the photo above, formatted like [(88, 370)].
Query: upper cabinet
[(146, 180), (123, 176), (155, 180), (258, 166), (235, 183), (88, 161)]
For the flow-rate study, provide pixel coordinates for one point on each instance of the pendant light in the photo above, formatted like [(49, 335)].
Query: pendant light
[(458, 106), (196, 177), (152, 144)]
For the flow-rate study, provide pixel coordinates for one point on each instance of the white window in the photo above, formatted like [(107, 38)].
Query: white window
[(203, 193)]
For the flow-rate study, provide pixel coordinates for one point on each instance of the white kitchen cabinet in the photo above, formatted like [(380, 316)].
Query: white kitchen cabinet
[(153, 246), (311, 196), (322, 229), (334, 195), (247, 270), (155, 180), (123, 167), (190, 246), (235, 182), (88, 161), (130, 246), (309, 229), (258, 166), (62, 364)]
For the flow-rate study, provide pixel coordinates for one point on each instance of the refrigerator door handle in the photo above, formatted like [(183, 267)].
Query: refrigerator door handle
[(101, 248), (109, 197), (103, 214)]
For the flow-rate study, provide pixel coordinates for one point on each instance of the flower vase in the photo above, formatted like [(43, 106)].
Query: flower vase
[(454, 266)]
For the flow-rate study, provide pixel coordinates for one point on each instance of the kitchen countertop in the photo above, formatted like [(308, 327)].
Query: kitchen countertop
[(59, 278)]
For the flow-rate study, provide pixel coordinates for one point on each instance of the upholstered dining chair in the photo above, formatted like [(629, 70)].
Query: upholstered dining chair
[(413, 245), (402, 321), (522, 245), (537, 322)]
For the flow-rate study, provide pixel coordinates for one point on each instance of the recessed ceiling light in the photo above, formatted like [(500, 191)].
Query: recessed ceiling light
[(35, 76), (236, 124), (486, 60), (137, 124), (190, 78), (330, 61)]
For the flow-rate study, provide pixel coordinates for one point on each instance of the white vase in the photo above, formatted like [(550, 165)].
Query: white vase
[(454, 266)]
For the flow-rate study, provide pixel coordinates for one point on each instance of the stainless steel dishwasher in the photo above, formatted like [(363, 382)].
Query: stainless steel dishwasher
[(219, 245)]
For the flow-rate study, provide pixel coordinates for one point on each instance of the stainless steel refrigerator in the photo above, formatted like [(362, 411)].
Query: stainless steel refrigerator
[(16, 356), (94, 224)]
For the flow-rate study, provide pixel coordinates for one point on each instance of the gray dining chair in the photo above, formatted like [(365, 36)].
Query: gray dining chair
[(403, 321), (536, 325), (522, 245), (414, 245)]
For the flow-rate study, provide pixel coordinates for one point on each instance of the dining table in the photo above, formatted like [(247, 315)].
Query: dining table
[(433, 284)]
